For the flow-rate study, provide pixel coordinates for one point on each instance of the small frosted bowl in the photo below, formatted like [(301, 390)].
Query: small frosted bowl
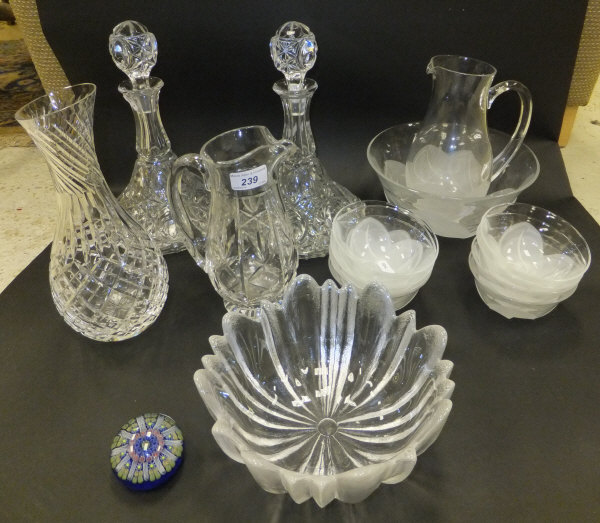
[(450, 217), (378, 241), (526, 260), (532, 246), (329, 394), (508, 299), (532, 292)]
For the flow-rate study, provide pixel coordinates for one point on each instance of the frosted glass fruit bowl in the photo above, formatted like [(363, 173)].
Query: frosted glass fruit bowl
[(329, 394), (450, 217)]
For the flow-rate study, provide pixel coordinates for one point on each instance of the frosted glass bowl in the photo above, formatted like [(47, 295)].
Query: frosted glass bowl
[(329, 394), (508, 299), (378, 241), (526, 260), (450, 217), (533, 246)]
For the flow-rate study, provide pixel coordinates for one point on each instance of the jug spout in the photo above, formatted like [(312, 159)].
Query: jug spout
[(451, 154), (461, 65), (460, 91), (243, 160)]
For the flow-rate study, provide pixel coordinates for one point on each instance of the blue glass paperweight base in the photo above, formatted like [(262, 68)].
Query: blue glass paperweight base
[(147, 451)]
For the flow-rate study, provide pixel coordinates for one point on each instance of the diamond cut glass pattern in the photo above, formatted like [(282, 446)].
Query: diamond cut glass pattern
[(246, 245), (294, 52), (311, 198), (108, 280), (248, 260), (133, 49)]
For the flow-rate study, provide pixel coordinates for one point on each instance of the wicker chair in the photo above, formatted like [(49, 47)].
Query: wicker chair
[(587, 69), (46, 64)]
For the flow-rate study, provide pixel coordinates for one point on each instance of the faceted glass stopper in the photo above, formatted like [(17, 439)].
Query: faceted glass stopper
[(133, 49), (294, 52)]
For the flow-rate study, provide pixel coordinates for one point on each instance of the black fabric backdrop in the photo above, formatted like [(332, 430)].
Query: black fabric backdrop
[(214, 59), (521, 441)]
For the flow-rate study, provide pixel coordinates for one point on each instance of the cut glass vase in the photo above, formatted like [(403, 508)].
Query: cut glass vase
[(108, 279)]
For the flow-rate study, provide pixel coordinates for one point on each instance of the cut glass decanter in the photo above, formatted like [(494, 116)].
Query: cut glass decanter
[(311, 198), (108, 279), (133, 49)]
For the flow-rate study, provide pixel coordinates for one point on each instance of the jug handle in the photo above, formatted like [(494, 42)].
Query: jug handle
[(289, 147), (501, 161), (190, 201)]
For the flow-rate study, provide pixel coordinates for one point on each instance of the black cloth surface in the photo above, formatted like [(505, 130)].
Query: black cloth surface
[(521, 442)]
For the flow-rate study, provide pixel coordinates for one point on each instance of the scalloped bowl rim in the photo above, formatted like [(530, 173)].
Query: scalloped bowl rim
[(314, 485)]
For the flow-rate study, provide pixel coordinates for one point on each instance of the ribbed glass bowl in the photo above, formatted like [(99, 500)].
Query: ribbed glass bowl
[(328, 394)]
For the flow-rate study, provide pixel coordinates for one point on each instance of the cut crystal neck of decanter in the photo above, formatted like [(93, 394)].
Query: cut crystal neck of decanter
[(133, 49), (294, 52)]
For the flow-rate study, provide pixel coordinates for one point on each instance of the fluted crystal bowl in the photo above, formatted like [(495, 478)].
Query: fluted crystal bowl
[(452, 217), (328, 394)]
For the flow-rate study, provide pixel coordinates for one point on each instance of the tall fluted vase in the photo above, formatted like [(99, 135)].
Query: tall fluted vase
[(108, 279)]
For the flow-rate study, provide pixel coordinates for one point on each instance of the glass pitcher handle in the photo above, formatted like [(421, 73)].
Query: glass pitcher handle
[(501, 161), (190, 199)]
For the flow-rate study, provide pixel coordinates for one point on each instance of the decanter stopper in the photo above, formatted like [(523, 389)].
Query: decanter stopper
[(133, 49), (294, 52)]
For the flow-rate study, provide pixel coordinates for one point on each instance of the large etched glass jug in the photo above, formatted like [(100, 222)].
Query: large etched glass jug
[(108, 280), (451, 153), (245, 242)]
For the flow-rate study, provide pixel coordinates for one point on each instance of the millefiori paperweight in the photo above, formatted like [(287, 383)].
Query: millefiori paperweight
[(328, 394), (310, 196), (134, 50), (147, 451)]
